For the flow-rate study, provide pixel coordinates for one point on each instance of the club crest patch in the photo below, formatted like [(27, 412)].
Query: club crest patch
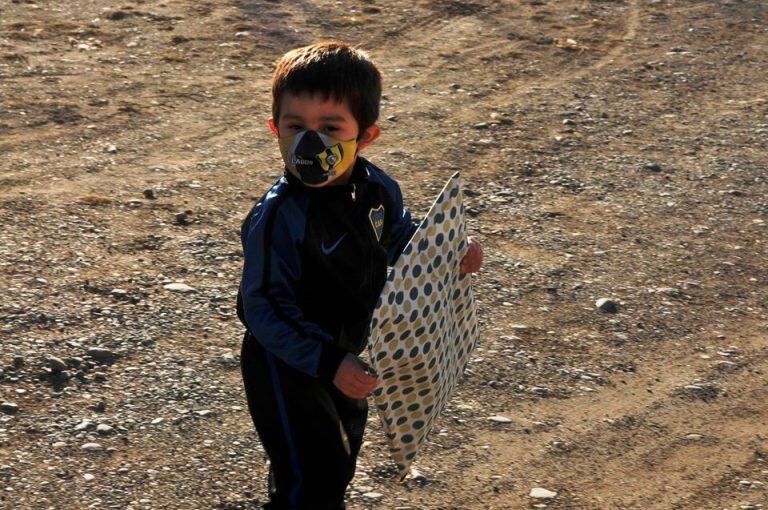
[(376, 215)]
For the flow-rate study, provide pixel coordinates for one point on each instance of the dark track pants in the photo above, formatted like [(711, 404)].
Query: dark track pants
[(311, 431)]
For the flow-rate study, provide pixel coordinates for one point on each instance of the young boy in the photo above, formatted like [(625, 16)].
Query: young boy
[(316, 250)]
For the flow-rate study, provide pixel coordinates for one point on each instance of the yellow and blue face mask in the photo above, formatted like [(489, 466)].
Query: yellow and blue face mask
[(317, 159)]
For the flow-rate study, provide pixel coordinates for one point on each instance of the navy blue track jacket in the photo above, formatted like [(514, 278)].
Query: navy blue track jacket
[(315, 261)]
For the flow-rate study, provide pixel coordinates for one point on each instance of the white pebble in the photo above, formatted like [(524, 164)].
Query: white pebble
[(539, 493)]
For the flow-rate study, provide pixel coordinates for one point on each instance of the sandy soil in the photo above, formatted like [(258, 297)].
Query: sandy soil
[(610, 149)]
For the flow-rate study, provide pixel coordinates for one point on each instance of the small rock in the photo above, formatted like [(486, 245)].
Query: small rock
[(83, 425), (668, 291), (9, 408), (653, 167), (182, 218), (57, 364), (99, 377), (135, 203), (179, 287), (704, 392), (481, 125), (92, 447), (500, 118), (101, 354), (62, 376), (539, 493), (499, 419), (104, 430), (88, 477), (119, 293), (607, 305), (373, 495), (59, 444), (416, 476), (116, 15), (112, 149), (18, 361), (228, 359), (204, 412), (149, 194)]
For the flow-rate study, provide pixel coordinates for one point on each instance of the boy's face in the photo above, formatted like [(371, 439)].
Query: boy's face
[(304, 111)]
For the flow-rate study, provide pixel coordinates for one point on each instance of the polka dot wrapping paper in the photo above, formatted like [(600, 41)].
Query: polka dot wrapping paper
[(423, 328)]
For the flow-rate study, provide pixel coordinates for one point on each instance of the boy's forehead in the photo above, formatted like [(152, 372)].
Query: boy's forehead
[(306, 104)]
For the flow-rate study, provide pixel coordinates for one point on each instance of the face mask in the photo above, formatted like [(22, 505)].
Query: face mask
[(317, 159)]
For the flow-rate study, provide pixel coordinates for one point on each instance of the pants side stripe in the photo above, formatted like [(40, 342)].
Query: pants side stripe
[(288, 438)]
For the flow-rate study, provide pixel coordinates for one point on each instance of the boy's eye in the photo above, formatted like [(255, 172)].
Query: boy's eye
[(299, 127)]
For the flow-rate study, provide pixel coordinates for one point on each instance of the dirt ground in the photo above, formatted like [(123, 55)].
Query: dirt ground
[(610, 149)]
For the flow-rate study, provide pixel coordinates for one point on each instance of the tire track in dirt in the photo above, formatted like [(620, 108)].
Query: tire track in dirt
[(512, 90), (631, 446), (415, 28), (630, 32), (451, 10), (476, 40)]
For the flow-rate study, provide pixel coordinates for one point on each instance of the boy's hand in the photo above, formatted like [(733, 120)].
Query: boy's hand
[(352, 379), (473, 259)]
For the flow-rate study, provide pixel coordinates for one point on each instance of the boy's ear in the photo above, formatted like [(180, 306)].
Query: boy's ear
[(273, 127), (368, 136)]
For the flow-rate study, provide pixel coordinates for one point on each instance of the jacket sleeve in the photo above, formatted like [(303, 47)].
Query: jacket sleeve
[(271, 272), (403, 227)]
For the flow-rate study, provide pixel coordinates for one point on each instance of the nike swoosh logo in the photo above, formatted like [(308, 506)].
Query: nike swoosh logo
[(327, 251)]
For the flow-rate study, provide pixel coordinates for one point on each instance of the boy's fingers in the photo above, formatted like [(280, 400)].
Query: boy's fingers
[(364, 379), (354, 391), (365, 382), (353, 394), (356, 380), (360, 387)]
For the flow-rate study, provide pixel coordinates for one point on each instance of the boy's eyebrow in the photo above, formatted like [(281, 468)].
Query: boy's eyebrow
[(292, 116)]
